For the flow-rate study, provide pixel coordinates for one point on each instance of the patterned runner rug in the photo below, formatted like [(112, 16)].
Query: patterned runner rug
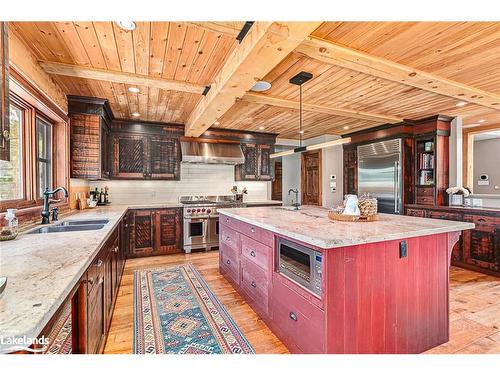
[(175, 312)]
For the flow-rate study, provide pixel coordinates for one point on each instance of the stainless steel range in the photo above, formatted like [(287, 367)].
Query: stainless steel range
[(201, 220)]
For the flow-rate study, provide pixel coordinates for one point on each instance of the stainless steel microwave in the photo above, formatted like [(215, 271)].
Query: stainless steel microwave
[(301, 264)]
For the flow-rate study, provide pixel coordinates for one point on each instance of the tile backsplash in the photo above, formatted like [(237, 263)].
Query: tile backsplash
[(196, 179)]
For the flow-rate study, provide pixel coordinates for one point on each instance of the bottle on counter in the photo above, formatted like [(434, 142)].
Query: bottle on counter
[(106, 195), (102, 197), (96, 194)]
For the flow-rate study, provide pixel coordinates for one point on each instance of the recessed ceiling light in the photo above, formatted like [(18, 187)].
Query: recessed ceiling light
[(135, 90), (126, 25), (461, 104), (482, 120), (136, 114), (261, 86), (261, 128), (470, 125), (301, 132), (216, 123), (346, 127)]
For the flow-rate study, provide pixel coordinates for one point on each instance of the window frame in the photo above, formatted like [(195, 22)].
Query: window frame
[(35, 104), (50, 161)]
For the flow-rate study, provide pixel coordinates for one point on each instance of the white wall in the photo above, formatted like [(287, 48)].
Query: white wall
[(332, 163), (196, 179)]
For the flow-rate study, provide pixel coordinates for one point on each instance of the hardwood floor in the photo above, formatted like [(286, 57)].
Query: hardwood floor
[(474, 308)]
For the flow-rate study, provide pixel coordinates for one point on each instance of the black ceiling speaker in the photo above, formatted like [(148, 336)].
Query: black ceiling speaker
[(301, 78)]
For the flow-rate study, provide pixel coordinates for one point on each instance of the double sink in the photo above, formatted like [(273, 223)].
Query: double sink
[(72, 226)]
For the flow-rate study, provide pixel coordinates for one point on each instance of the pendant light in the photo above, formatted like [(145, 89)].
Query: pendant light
[(299, 80)]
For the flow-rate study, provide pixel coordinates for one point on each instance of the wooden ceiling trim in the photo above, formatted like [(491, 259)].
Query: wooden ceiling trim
[(334, 54), (264, 47), (231, 29), (343, 112), (119, 77)]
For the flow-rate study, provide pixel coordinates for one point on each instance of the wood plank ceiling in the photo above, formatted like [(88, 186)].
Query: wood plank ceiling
[(348, 99)]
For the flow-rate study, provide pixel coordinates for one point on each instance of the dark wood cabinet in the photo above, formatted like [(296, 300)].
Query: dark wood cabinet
[(155, 232), (144, 157), (350, 171), (96, 304), (4, 94), (90, 138), (477, 249), (257, 165)]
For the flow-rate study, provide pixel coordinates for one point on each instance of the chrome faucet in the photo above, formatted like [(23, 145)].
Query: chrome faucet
[(296, 204), (46, 202)]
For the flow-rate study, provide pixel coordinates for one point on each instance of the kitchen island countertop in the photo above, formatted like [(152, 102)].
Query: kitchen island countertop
[(311, 225)]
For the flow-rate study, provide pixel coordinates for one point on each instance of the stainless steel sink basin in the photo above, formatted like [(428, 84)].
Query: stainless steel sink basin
[(67, 228), (83, 222)]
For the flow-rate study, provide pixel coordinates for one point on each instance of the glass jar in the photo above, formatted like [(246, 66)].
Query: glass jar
[(9, 226)]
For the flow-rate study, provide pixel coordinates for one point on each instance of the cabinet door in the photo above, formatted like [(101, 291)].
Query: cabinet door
[(168, 225), (142, 233), (265, 171), (96, 312), (482, 244), (130, 157), (248, 170), (105, 152), (4, 93), (85, 146), (165, 159), (350, 171), (125, 235)]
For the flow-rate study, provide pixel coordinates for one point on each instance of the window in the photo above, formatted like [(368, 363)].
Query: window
[(11, 170), (44, 155)]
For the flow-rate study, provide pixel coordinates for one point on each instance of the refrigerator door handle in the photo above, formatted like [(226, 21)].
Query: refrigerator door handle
[(396, 187)]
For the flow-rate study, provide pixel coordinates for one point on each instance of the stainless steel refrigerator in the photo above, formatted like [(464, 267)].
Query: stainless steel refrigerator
[(380, 174)]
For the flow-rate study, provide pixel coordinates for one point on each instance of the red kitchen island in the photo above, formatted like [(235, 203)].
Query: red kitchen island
[(342, 287)]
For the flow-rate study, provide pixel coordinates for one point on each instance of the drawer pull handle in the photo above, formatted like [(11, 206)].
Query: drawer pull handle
[(252, 253), (293, 316), (227, 220), (253, 284), (228, 238), (99, 263), (481, 220), (90, 281), (228, 261), (115, 249), (252, 230)]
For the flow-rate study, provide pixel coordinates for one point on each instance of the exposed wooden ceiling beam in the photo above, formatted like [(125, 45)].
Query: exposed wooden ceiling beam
[(269, 100), (335, 54), (264, 47), (119, 77), (231, 29)]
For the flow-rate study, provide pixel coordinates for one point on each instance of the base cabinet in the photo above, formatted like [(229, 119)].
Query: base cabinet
[(155, 232), (477, 249)]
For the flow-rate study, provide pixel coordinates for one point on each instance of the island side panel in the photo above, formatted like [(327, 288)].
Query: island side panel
[(377, 302)]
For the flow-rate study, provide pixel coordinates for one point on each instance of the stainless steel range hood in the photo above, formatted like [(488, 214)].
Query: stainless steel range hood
[(212, 153)]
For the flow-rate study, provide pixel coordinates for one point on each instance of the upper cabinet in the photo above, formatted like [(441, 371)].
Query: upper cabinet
[(90, 120), (146, 151), (4, 93), (257, 166)]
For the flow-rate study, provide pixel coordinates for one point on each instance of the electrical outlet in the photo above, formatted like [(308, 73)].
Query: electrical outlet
[(403, 249)]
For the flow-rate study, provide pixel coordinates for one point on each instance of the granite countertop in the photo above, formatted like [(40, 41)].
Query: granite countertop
[(42, 269), (468, 209), (311, 225), (263, 203)]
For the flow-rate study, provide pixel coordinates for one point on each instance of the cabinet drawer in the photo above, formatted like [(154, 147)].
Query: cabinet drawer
[(424, 200), (229, 237), (444, 215), (300, 324), (229, 222), (415, 212), (258, 234), (255, 284), (95, 272), (229, 264), (256, 252), (484, 223), (425, 192)]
